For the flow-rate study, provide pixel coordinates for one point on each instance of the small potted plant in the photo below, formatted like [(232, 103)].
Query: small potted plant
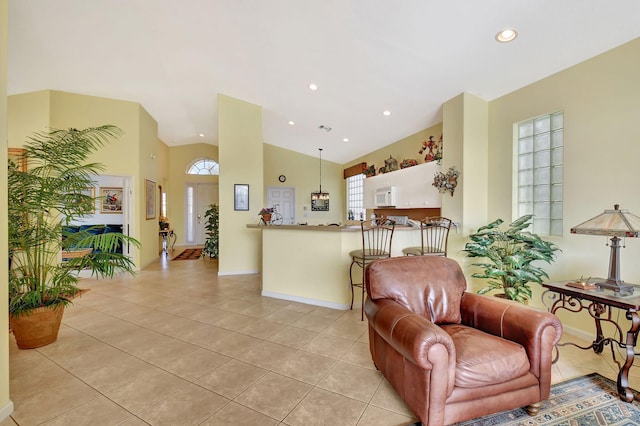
[(266, 213), (211, 244), (163, 221), (511, 255)]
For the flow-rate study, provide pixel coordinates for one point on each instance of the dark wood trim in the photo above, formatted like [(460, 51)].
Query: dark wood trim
[(354, 170)]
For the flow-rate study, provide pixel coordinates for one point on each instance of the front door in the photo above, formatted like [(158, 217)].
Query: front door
[(284, 200), (199, 197)]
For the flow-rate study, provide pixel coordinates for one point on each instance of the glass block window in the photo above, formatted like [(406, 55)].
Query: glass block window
[(539, 166), (204, 166), (355, 197)]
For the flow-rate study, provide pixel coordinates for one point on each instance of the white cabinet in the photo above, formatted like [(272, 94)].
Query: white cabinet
[(414, 187)]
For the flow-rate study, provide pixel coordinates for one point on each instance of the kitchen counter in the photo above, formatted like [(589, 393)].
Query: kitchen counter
[(310, 263), (331, 228)]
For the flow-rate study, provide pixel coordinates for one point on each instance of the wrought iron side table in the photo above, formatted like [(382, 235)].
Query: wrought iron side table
[(167, 236), (600, 305)]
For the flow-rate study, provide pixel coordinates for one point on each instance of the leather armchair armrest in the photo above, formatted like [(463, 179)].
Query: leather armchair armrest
[(416, 338), (536, 330)]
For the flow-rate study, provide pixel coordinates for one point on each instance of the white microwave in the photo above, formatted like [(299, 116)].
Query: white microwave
[(385, 196)]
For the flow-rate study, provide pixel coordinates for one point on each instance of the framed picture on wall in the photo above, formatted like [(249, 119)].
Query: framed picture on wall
[(16, 156), (89, 192), (150, 198), (80, 197), (240, 196), (110, 199)]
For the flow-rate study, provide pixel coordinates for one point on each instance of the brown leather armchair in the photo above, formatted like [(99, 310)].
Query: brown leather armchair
[(453, 355)]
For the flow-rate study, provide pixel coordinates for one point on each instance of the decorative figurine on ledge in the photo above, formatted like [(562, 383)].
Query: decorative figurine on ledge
[(390, 164), (433, 148), (408, 163), (370, 171)]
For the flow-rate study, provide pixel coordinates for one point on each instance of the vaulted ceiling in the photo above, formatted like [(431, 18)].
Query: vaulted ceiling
[(365, 56)]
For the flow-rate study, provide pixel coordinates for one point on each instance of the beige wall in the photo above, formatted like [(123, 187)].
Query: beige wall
[(599, 98), (240, 147), (148, 170), (6, 406), (29, 113), (121, 156), (466, 133), (303, 174), (164, 171), (180, 158)]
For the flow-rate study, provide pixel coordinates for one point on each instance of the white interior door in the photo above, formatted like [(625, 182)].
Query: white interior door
[(199, 197), (284, 199)]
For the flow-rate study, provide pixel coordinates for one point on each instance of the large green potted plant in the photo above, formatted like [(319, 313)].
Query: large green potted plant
[(512, 256), (212, 227), (43, 199)]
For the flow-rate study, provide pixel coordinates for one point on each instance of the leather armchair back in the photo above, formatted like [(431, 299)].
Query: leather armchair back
[(428, 286)]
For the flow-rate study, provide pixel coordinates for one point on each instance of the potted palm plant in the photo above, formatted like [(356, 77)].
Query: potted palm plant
[(43, 200), (512, 255)]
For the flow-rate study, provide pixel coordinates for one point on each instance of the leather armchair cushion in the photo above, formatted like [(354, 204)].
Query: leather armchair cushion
[(429, 286), (484, 359)]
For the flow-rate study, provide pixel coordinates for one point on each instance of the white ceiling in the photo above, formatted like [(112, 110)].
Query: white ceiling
[(408, 56)]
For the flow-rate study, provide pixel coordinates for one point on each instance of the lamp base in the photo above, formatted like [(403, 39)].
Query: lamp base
[(617, 287)]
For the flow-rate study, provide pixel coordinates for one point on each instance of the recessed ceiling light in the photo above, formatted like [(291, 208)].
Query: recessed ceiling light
[(345, 139), (313, 86), (202, 135), (386, 112), (291, 123), (506, 35)]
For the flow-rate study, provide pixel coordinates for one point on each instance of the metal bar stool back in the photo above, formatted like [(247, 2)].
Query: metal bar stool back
[(434, 237), (377, 235)]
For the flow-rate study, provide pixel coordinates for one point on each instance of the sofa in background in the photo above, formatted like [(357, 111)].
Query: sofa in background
[(92, 229)]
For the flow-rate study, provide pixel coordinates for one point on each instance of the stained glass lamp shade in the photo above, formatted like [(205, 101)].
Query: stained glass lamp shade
[(616, 224)]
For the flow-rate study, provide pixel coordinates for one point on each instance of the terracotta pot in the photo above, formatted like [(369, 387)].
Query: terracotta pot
[(38, 327), (266, 217)]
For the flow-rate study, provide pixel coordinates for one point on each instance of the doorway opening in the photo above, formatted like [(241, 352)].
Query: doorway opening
[(198, 198)]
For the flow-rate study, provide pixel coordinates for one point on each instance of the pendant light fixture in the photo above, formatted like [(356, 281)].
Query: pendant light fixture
[(320, 199)]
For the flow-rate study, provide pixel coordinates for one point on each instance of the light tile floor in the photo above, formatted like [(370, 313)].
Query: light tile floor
[(178, 345)]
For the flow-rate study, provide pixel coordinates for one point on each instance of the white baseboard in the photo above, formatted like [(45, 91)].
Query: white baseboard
[(6, 411), (323, 303), (222, 274), (581, 334)]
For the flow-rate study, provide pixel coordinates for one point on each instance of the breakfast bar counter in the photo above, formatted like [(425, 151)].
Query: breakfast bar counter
[(310, 263)]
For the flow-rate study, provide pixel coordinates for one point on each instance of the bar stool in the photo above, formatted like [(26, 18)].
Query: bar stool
[(376, 244), (434, 237)]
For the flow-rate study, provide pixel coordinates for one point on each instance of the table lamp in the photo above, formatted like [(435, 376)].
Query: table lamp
[(614, 223)]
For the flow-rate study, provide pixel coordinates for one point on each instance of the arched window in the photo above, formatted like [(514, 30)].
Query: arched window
[(204, 166)]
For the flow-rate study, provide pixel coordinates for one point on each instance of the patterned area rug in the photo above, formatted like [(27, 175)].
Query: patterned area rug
[(583, 401), (189, 254)]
